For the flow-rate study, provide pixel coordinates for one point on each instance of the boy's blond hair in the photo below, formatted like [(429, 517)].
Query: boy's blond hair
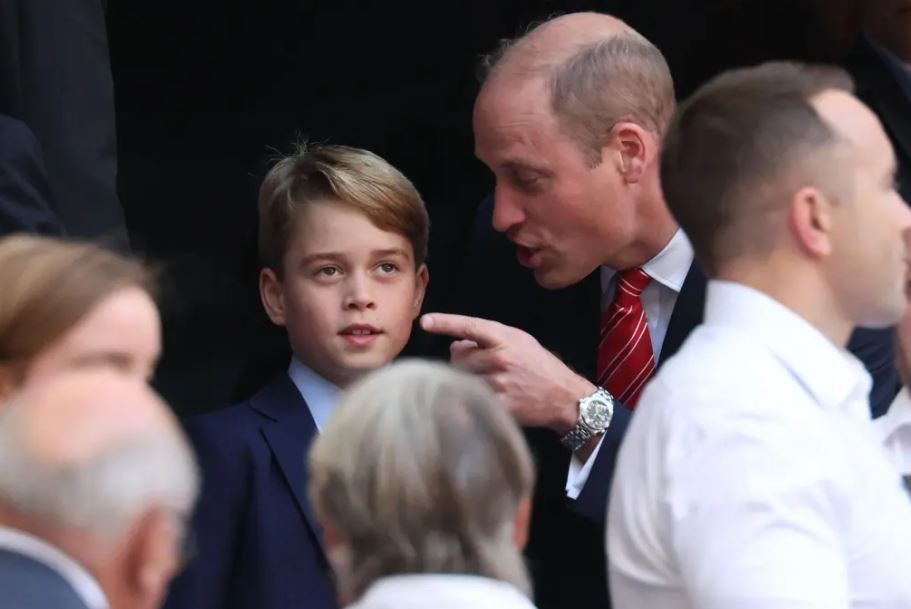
[(351, 176)]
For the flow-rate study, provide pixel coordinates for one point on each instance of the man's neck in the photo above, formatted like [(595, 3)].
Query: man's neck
[(805, 295), (71, 543), (653, 234)]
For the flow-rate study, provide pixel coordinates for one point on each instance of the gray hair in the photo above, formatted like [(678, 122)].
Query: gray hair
[(421, 470), (602, 82), (103, 495)]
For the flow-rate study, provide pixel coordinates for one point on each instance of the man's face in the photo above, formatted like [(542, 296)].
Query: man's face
[(566, 213), (871, 226)]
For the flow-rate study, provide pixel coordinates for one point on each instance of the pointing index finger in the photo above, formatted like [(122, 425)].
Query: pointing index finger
[(484, 332)]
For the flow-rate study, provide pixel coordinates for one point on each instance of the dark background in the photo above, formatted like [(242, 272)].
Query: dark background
[(207, 91)]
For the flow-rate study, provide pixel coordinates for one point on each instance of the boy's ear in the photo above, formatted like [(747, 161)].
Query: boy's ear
[(272, 296), (421, 278)]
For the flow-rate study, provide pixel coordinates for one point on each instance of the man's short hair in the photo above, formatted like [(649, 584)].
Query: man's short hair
[(620, 77), (740, 148), (350, 176)]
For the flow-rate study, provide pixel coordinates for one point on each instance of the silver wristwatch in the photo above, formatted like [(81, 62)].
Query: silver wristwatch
[(595, 413)]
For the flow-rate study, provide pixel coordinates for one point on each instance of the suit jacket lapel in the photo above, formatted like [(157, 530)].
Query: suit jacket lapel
[(688, 312), (289, 436)]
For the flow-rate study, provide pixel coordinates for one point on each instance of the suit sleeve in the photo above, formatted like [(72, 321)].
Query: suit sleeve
[(59, 82), (216, 523), (876, 349), (25, 200)]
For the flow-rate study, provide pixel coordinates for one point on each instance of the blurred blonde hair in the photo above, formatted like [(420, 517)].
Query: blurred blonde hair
[(50, 284), (421, 470)]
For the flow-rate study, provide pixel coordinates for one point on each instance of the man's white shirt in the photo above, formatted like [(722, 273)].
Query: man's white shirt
[(752, 477), (668, 272)]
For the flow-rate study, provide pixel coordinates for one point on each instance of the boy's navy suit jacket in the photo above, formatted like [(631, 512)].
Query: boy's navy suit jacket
[(258, 543)]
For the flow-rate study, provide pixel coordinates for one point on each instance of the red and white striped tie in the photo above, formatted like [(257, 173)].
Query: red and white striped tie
[(625, 358)]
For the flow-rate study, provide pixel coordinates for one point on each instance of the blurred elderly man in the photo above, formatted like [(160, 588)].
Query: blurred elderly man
[(422, 483), (752, 475), (96, 480)]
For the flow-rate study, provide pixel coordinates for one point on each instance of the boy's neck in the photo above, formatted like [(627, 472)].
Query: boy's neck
[(337, 381)]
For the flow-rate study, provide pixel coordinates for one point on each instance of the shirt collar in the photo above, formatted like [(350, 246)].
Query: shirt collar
[(455, 589), (321, 396), (86, 587), (834, 377), (669, 267)]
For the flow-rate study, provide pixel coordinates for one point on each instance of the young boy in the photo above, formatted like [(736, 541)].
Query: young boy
[(343, 240)]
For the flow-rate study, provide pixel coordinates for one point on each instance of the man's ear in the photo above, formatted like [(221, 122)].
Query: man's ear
[(272, 294), (152, 556), (632, 148), (810, 220), (421, 279)]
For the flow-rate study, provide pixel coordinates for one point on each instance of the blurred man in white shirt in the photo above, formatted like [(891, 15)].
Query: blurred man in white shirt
[(751, 476)]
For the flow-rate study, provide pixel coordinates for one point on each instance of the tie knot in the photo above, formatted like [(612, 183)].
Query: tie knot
[(633, 281)]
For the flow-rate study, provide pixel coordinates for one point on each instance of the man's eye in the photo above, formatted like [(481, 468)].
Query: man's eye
[(388, 267), (527, 182)]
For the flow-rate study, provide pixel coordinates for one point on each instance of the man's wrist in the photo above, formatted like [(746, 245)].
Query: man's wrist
[(577, 389)]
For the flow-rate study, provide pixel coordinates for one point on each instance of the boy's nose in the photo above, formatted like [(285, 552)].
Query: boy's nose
[(359, 296)]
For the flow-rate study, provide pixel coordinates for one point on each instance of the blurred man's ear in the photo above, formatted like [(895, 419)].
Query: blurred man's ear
[(152, 557)]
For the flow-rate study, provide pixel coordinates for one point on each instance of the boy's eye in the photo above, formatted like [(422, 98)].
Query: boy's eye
[(327, 271), (388, 267)]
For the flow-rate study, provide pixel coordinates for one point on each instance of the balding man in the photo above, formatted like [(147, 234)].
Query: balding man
[(570, 121), (751, 475), (96, 483)]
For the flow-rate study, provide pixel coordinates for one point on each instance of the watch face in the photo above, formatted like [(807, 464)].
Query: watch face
[(598, 414)]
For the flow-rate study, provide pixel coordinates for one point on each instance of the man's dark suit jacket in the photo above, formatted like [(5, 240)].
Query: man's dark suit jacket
[(25, 198), (877, 86), (566, 546), (55, 75), (259, 546), (28, 584)]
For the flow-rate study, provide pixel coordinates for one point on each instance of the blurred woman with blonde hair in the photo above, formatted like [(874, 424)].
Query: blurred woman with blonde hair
[(65, 304)]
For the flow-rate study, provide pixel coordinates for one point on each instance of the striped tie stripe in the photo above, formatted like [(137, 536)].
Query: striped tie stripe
[(625, 358)]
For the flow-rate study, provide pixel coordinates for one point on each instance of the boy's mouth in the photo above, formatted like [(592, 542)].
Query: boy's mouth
[(360, 335)]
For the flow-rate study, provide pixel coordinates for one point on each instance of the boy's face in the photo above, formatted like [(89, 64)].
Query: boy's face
[(349, 295)]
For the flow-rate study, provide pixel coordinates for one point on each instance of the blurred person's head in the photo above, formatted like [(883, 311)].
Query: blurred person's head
[(343, 242), (70, 305), (569, 120), (93, 463), (422, 470), (785, 181), (888, 22)]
